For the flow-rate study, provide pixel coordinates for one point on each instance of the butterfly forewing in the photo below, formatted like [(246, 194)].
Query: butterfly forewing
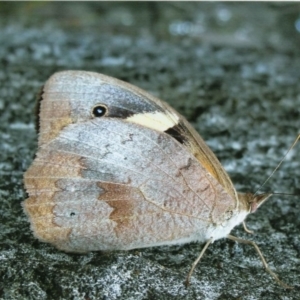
[(114, 182)]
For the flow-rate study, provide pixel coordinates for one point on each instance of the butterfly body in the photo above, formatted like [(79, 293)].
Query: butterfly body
[(118, 168)]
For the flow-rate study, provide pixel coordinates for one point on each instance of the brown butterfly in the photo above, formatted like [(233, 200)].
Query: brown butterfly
[(117, 168)]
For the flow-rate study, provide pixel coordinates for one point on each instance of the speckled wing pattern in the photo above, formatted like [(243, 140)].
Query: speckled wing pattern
[(119, 181)]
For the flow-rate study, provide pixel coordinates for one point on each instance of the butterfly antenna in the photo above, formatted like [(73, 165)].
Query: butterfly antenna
[(293, 145)]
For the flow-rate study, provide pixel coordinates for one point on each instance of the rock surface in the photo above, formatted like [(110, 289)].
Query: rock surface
[(232, 69)]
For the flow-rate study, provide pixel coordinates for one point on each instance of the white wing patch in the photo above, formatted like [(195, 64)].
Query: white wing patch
[(157, 120)]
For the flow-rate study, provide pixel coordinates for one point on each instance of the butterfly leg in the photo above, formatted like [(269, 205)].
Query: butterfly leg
[(246, 228), (274, 275), (187, 281)]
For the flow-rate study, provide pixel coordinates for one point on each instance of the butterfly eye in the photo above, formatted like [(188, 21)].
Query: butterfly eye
[(99, 110)]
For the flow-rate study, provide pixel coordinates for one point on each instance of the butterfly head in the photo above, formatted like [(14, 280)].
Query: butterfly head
[(253, 201)]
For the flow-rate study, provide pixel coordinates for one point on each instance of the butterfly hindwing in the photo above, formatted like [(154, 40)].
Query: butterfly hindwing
[(108, 185)]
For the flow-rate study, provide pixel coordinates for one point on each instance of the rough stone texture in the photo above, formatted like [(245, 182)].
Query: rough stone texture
[(232, 69)]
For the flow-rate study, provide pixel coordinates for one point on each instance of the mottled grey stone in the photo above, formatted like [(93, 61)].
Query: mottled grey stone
[(232, 69)]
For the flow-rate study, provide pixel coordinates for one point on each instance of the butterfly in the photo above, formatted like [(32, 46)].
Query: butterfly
[(117, 169)]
